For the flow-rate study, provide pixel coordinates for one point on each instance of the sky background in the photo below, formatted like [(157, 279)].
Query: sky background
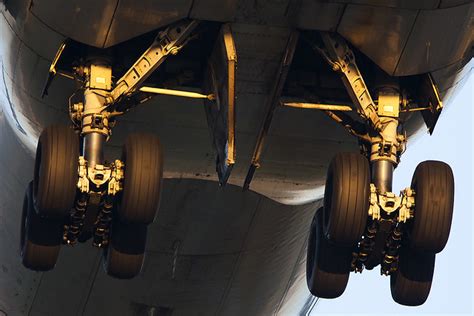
[(451, 290)]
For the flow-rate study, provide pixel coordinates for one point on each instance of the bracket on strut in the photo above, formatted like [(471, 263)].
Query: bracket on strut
[(116, 178), (407, 206), (99, 175), (390, 203)]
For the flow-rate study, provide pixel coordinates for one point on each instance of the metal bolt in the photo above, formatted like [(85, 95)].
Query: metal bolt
[(174, 51)]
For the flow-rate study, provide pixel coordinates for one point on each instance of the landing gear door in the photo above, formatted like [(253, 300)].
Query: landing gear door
[(220, 79), (429, 97)]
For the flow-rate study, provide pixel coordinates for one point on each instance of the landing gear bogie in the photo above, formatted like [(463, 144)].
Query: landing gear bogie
[(121, 207)]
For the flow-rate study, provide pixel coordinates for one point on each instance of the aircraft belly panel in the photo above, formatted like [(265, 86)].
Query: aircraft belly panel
[(132, 19), (433, 44), (26, 28), (380, 33), (404, 4), (246, 272), (453, 3), (10, 47), (212, 10), (85, 21)]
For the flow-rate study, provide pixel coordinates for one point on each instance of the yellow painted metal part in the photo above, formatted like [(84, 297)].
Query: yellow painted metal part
[(178, 93), (318, 106), (389, 104), (52, 68), (100, 77), (231, 68)]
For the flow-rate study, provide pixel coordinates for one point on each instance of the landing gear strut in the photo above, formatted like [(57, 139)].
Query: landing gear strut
[(361, 215)]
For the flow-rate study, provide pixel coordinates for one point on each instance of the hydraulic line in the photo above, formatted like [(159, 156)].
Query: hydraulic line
[(390, 260), (365, 249), (102, 224), (76, 221)]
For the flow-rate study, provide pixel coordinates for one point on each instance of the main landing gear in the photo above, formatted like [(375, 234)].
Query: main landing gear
[(362, 224), (76, 195)]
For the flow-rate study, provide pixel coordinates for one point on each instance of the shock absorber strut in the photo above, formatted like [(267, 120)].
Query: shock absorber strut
[(387, 145), (95, 127)]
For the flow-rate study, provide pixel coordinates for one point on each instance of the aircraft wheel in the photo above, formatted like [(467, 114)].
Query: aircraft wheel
[(143, 160), (327, 265), (346, 199), (56, 175), (433, 183), (411, 283), (41, 238), (123, 258)]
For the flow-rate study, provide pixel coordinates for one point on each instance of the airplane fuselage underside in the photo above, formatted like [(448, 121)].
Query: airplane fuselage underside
[(252, 261)]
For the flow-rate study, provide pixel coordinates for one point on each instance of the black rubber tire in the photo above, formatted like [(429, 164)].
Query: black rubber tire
[(433, 183), (124, 257), (56, 174), (143, 160), (327, 266), (40, 238), (346, 199), (410, 285)]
